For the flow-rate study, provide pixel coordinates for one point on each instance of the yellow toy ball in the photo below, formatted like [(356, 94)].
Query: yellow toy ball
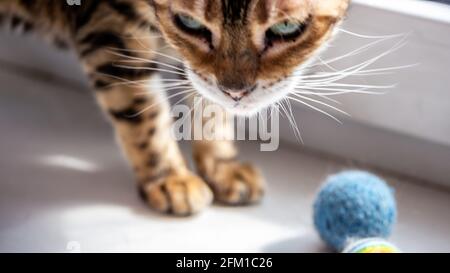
[(371, 245)]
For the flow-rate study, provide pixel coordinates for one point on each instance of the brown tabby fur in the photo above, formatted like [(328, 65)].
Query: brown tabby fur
[(236, 58)]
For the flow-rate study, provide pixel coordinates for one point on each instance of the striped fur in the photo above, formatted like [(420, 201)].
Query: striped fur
[(234, 56)]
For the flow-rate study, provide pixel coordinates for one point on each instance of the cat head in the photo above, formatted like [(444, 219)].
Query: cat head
[(244, 54)]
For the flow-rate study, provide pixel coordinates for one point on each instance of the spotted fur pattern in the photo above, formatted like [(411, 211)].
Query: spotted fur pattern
[(235, 56)]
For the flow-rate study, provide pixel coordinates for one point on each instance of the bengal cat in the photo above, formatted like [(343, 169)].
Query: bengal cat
[(239, 54)]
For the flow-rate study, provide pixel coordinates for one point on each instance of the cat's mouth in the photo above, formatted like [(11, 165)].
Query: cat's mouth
[(263, 94)]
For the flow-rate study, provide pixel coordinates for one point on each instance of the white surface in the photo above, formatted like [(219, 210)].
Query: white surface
[(419, 8), (64, 185)]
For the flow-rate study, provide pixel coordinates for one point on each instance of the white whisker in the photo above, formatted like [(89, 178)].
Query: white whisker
[(317, 109), (132, 59), (146, 83), (357, 86), (323, 103), (194, 106), (140, 83), (321, 96), (148, 51), (295, 125), (357, 68), (292, 122), (391, 36), (360, 73), (385, 69), (150, 69), (336, 92), (185, 98), (349, 54), (157, 103), (175, 88)]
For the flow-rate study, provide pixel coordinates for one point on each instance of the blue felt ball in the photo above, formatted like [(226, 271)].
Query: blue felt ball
[(353, 205)]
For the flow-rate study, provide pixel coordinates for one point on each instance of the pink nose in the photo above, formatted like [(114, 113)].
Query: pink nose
[(237, 95)]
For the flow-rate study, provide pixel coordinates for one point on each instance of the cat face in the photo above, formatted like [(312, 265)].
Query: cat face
[(243, 54)]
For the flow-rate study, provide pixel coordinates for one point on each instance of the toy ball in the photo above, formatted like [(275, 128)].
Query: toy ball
[(371, 245), (354, 205)]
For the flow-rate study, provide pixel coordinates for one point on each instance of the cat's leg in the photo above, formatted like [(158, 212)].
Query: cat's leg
[(233, 182), (130, 92)]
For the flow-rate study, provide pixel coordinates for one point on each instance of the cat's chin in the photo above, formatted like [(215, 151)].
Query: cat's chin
[(258, 100), (237, 109), (244, 110)]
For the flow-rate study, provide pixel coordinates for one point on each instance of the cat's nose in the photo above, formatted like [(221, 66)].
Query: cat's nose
[(237, 95)]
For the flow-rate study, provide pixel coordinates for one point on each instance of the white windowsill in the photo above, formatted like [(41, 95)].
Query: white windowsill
[(429, 10)]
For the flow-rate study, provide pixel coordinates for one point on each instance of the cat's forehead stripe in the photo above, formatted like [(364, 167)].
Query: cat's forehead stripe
[(235, 11)]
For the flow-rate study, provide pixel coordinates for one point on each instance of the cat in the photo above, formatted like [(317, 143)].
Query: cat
[(238, 54)]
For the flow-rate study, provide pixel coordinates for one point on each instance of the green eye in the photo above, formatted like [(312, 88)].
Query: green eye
[(189, 22), (285, 28), (190, 26)]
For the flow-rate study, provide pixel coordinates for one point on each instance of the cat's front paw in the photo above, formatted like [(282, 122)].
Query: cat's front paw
[(236, 183), (179, 194)]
